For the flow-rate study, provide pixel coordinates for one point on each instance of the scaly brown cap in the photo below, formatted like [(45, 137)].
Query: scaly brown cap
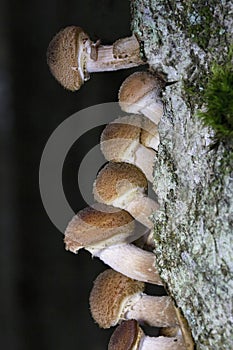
[(120, 138), (135, 87), (102, 224), (115, 179), (109, 295), (126, 336), (120, 130), (65, 57)]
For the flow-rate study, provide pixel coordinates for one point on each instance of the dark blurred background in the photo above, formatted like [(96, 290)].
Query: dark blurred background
[(44, 289)]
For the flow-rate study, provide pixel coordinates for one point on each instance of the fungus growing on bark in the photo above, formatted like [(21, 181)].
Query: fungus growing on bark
[(106, 234), (124, 186), (72, 56), (129, 336), (140, 94), (115, 297), (120, 142)]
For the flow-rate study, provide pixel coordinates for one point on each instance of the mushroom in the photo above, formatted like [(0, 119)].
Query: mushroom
[(129, 336), (106, 234), (120, 142), (140, 93), (115, 297), (123, 185), (71, 56)]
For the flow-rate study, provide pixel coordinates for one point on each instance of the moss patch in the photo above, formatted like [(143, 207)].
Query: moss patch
[(201, 23), (218, 97)]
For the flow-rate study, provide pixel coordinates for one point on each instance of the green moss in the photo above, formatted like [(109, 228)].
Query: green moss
[(200, 22), (197, 18), (218, 98), (193, 90)]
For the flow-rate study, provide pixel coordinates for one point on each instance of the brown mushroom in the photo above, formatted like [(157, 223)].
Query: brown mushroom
[(129, 336), (140, 94), (115, 297), (106, 234), (124, 186), (71, 56), (120, 142)]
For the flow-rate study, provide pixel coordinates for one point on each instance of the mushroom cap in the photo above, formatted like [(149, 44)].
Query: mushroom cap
[(66, 57), (135, 88), (116, 179), (120, 138), (110, 294), (100, 226), (126, 336)]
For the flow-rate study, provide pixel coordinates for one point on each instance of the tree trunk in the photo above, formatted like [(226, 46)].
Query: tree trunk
[(192, 174)]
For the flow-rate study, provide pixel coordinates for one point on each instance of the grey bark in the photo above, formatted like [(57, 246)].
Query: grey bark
[(193, 228)]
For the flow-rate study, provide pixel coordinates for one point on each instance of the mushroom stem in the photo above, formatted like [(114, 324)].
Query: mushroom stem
[(161, 343), (131, 261), (124, 53), (142, 207), (149, 240), (153, 111), (146, 241), (149, 135), (144, 160), (152, 310)]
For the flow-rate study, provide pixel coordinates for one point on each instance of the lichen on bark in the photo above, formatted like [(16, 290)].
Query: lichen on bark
[(193, 175)]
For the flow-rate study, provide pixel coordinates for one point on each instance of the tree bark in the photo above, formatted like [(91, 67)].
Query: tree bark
[(192, 176)]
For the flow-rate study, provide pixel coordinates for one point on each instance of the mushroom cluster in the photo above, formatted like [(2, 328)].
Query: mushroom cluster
[(109, 229)]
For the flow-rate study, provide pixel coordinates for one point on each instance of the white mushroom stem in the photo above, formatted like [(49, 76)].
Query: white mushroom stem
[(152, 310), (144, 159), (142, 208), (131, 261), (149, 239), (150, 140), (146, 241), (161, 343), (153, 111), (149, 134), (124, 53)]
